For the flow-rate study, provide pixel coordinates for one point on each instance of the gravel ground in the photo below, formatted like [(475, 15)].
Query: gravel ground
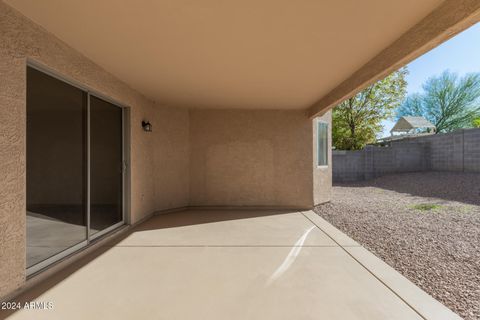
[(437, 249)]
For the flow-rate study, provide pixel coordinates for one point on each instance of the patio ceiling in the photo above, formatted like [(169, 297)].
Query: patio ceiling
[(271, 54)]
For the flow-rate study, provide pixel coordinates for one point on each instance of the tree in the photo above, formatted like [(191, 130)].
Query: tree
[(357, 121), (447, 101), (476, 123)]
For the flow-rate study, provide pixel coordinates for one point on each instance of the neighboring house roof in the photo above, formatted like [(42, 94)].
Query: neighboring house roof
[(408, 123)]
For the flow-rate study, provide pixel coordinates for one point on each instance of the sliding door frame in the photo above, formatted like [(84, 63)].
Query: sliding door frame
[(99, 233), (38, 267)]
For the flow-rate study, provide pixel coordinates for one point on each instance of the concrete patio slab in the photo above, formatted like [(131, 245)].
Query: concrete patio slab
[(219, 265), (227, 228), (338, 236)]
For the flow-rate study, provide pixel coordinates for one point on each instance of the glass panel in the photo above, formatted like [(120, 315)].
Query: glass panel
[(106, 160), (56, 170), (322, 144)]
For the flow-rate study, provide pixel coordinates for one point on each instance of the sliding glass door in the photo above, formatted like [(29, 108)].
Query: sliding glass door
[(106, 165), (74, 168)]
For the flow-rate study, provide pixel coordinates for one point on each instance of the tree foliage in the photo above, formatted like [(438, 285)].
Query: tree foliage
[(476, 123), (447, 101), (356, 121)]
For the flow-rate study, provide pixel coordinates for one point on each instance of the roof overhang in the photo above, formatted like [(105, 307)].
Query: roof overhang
[(450, 18), (256, 54)]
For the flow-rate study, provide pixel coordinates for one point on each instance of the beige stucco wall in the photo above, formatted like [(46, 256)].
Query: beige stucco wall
[(322, 176), (171, 158), (152, 187), (250, 158)]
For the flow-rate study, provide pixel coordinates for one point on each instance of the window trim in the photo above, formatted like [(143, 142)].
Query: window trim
[(327, 164)]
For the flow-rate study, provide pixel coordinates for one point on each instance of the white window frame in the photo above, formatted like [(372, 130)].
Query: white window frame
[(326, 164)]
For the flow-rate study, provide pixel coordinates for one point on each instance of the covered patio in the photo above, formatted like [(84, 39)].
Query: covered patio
[(231, 264), (159, 159)]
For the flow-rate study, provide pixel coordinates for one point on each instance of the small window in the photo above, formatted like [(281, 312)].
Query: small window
[(322, 143)]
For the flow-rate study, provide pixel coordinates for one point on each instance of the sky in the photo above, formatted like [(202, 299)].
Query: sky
[(461, 55)]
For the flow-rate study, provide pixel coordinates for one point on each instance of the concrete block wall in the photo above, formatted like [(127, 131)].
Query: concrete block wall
[(471, 142), (348, 166), (399, 158), (455, 151), (377, 161), (445, 151)]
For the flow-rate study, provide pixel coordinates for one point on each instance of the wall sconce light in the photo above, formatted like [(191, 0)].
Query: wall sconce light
[(146, 126)]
